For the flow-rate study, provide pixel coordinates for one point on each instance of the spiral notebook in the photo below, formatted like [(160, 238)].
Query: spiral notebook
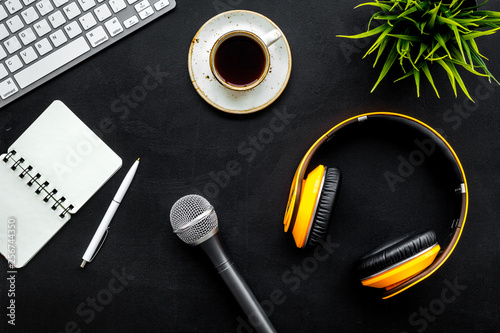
[(47, 174)]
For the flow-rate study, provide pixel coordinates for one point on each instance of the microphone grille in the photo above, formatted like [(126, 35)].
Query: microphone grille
[(193, 219)]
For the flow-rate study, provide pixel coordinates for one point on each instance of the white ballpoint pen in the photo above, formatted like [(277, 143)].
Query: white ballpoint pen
[(103, 226)]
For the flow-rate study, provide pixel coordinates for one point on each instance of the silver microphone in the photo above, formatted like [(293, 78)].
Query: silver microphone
[(195, 222)]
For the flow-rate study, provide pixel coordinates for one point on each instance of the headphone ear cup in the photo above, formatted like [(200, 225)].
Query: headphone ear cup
[(326, 203), (381, 265)]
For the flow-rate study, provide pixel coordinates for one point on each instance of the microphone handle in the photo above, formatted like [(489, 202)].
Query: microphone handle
[(256, 315), (235, 282)]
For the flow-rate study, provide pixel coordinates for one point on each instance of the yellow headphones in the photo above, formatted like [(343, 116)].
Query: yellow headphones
[(396, 265)]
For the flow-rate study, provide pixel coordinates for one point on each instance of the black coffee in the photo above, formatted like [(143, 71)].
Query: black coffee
[(240, 61)]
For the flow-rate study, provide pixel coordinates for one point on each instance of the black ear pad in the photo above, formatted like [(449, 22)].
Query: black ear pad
[(395, 251), (325, 206)]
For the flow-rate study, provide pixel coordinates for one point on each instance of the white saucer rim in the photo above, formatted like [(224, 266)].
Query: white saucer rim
[(254, 109)]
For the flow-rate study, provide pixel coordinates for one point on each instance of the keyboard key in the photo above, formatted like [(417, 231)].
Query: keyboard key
[(13, 6), (28, 2), (87, 21), (4, 33), (44, 7), (142, 5), (161, 4), (86, 4), (41, 27), (117, 5), (131, 1), (113, 26), (72, 11), (12, 44), (53, 61), (28, 55), (27, 36), (130, 21), (29, 15), (59, 3), (73, 29), (43, 46), (7, 88), (14, 63), (3, 71), (97, 36), (57, 19), (3, 54), (15, 23), (3, 13), (102, 12), (58, 38), (146, 13)]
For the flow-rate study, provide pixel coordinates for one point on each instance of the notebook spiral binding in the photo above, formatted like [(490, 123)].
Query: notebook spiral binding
[(33, 179)]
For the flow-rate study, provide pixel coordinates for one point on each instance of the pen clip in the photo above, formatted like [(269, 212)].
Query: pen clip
[(102, 242)]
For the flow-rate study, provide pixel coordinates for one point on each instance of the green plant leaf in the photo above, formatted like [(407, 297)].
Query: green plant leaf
[(464, 64), (450, 75), (381, 49), (467, 51), (408, 12), (441, 43), (433, 13), (427, 72), (459, 79), (477, 34), (379, 16), (475, 48), (423, 48), (470, 69), (368, 33), (396, 4), (410, 73), (482, 65), (432, 59), (375, 4), (378, 41), (416, 74), (458, 40), (488, 13), (422, 27), (388, 64), (453, 3), (451, 23), (469, 21), (406, 37)]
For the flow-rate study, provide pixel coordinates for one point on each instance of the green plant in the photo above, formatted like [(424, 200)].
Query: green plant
[(422, 33)]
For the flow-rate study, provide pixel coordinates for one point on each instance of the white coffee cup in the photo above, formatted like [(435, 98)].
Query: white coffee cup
[(263, 43)]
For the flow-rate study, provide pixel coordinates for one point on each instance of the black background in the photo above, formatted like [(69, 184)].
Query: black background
[(182, 141)]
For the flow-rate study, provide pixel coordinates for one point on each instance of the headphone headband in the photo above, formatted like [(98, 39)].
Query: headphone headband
[(295, 192)]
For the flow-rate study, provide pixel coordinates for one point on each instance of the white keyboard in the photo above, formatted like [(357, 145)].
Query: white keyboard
[(40, 39)]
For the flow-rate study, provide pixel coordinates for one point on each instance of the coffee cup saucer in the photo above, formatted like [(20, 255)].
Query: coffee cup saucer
[(225, 99)]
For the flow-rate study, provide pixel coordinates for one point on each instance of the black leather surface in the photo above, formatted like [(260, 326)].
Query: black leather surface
[(395, 251), (162, 285), (326, 205)]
